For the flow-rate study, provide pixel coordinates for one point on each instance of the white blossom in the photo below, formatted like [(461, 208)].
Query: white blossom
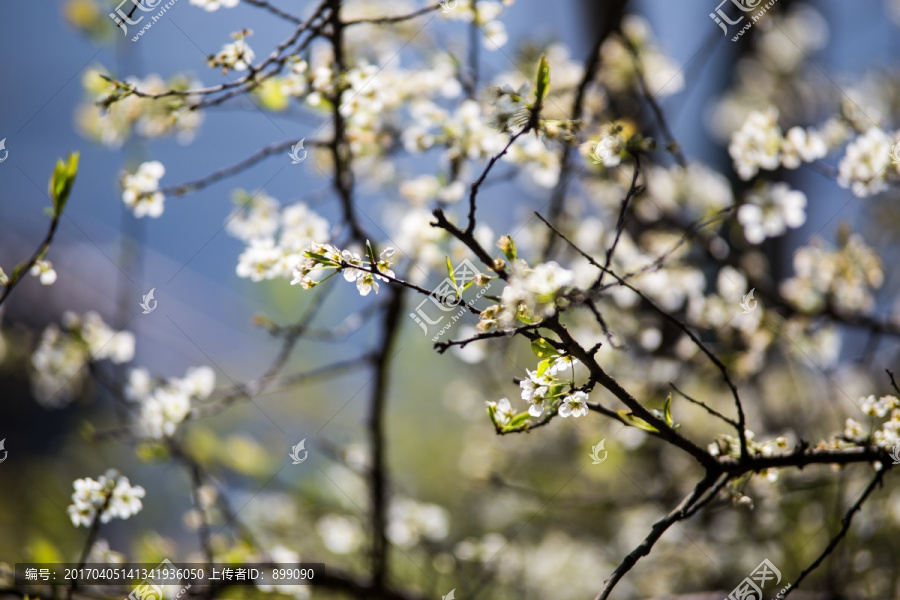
[(864, 167), (502, 411), (322, 257), (410, 521), (535, 390), (111, 496), (260, 260), (878, 407), (163, 405), (757, 144), (135, 115), (845, 277), (212, 5), (61, 356), (770, 211), (43, 269), (341, 535), (257, 216), (238, 55), (531, 292), (141, 190), (801, 145), (562, 364), (574, 405)]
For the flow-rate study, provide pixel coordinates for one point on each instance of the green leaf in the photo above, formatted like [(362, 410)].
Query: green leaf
[(543, 366), (62, 180), (668, 411), (371, 253), (518, 420), (450, 275), (543, 349), (636, 421), (492, 413), (543, 80)]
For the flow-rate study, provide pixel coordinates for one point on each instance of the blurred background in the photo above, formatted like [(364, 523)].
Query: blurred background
[(472, 494)]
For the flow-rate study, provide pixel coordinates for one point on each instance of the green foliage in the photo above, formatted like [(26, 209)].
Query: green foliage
[(542, 80), (634, 421), (543, 349), (62, 180)]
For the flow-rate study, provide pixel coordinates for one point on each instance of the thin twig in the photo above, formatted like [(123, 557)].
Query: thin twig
[(397, 19), (22, 270), (659, 528), (192, 186), (845, 527), (708, 408), (741, 421), (473, 193)]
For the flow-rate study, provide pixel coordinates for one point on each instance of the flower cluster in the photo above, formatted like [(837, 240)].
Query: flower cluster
[(257, 221), (125, 113), (61, 356), (485, 14), (760, 144), (866, 165), (465, 132), (164, 404), (843, 278), (730, 446), (410, 521), (110, 496), (319, 258), (531, 295), (141, 190), (237, 55), (888, 435), (770, 210), (543, 390)]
